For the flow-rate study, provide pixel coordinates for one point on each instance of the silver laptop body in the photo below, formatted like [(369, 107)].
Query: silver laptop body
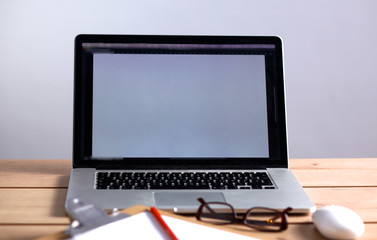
[(177, 108)]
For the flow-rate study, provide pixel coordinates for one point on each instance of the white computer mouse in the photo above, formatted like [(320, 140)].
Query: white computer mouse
[(336, 222)]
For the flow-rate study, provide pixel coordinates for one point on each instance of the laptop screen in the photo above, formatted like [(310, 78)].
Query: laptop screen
[(176, 100)]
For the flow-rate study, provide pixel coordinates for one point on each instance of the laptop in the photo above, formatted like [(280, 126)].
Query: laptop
[(163, 120)]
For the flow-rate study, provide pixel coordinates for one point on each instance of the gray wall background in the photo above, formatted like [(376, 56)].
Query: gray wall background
[(330, 65)]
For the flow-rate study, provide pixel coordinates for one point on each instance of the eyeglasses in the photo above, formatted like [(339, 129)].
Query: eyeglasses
[(263, 219)]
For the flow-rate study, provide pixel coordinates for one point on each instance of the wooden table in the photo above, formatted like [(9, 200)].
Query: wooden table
[(33, 192)]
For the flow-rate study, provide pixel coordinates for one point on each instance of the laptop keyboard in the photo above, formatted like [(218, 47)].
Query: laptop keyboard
[(179, 180)]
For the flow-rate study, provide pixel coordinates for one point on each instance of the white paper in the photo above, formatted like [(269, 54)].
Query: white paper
[(145, 226)]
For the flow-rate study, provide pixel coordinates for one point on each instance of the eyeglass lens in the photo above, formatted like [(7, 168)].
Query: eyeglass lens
[(265, 219), (217, 213)]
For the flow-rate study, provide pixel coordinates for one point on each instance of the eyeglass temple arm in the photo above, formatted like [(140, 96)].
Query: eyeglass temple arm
[(285, 211), (201, 200)]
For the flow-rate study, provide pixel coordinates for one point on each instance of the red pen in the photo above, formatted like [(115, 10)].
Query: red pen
[(159, 218)]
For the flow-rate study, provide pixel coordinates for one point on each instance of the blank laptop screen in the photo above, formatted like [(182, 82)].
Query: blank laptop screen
[(179, 105)]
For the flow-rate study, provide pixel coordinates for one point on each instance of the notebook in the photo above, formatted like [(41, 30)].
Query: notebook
[(151, 229), (163, 120)]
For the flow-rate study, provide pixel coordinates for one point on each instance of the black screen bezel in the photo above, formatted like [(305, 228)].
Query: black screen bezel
[(83, 83)]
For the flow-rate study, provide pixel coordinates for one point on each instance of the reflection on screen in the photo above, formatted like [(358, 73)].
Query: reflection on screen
[(179, 105)]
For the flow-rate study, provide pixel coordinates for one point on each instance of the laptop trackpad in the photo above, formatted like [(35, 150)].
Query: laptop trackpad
[(185, 201)]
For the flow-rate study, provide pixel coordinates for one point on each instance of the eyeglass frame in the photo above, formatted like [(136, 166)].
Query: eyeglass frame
[(279, 214)]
